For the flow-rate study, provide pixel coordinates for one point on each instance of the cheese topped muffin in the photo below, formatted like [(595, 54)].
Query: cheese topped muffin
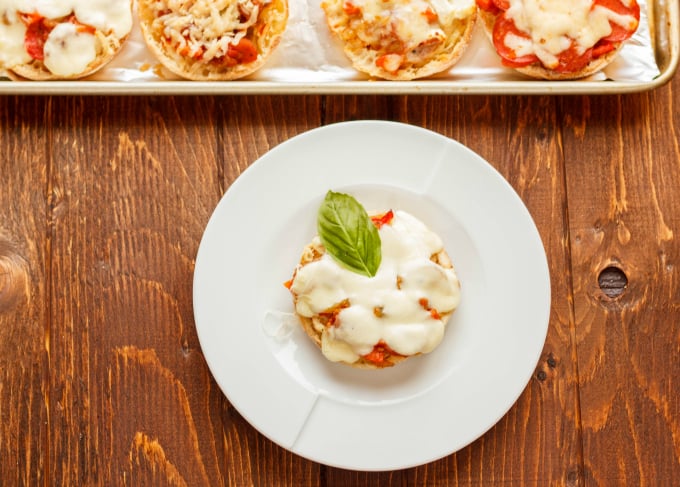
[(377, 321), (213, 40), (558, 40), (61, 39), (402, 39)]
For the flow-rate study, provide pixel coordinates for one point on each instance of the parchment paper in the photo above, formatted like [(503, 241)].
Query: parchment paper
[(308, 53)]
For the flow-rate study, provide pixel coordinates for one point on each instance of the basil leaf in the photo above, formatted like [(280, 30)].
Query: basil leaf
[(348, 234)]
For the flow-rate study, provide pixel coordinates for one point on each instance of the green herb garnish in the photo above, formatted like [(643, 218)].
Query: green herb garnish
[(348, 234)]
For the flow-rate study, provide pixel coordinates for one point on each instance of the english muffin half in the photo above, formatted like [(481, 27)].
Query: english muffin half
[(62, 40), (379, 321), (402, 39), (556, 40), (213, 40)]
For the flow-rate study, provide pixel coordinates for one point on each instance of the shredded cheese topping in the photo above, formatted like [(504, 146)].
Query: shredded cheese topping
[(204, 29), (405, 30)]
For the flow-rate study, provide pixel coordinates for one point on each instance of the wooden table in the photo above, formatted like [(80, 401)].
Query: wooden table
[(103, 205)]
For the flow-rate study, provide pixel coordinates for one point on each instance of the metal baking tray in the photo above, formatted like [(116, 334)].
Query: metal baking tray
[(664, 30)]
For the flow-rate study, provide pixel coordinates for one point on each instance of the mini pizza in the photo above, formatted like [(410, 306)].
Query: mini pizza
[(376, 321), (213, 39), (556, 39), (402, 39), (61, 39)]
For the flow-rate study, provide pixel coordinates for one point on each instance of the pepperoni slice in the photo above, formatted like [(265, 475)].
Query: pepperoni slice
[(620, 32), (570, 60), (36, 35), (602, 47), (501, 29)]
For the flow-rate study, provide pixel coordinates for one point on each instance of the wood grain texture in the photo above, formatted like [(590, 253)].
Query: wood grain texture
[(134, 185), (103, 204), (623, 176), (129, 187), (24, 349)]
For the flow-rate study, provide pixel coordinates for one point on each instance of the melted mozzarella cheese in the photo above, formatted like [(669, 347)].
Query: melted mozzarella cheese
[(12, 50), (449, 10), (68, 51), (552, 24), (406, 19), (109, 16), (406, 276), (65, 49), (105, 15)]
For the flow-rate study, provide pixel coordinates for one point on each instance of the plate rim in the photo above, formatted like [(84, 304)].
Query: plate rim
[(389, 125)]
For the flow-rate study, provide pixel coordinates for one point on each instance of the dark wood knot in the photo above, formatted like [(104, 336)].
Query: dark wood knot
[(613, 281), (547, 368), (13, 277)]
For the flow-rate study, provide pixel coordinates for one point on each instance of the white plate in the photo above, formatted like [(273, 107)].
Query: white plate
[(425, 408)]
